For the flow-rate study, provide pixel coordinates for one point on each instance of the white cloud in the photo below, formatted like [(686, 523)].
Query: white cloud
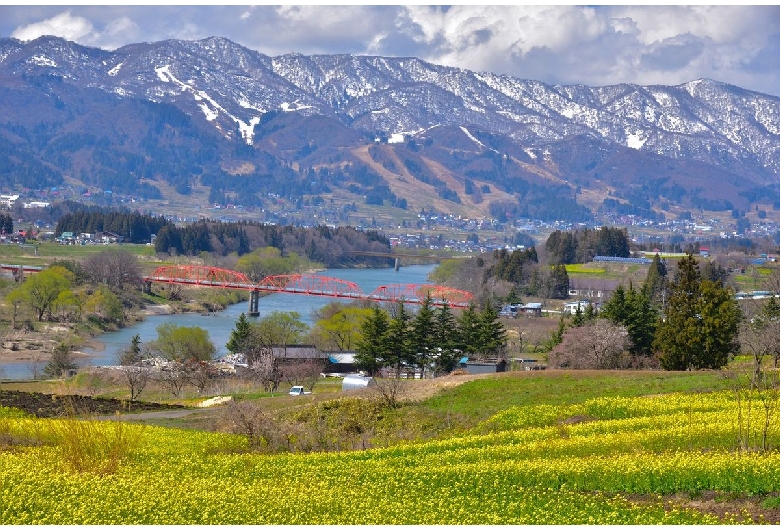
[(63, 25)]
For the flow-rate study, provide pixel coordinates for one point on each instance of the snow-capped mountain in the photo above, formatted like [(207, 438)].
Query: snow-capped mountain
[(561, 134)]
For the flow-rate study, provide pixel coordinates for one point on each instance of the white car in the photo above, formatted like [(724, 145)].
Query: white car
[(298, 391)]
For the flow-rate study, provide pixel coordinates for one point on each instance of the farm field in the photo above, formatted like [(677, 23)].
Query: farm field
[(647, 448)]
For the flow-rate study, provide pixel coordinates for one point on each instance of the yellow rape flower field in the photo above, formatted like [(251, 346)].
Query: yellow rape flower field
[(605, 461)]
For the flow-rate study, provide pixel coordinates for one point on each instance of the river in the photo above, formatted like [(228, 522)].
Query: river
[(220, 325)]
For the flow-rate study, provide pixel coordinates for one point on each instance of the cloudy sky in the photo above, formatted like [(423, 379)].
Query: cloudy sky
[(565, 44)]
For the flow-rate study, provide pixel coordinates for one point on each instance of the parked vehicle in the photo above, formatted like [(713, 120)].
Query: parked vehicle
[(298, 391)]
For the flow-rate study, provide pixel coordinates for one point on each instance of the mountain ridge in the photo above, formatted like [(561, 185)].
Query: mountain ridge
[(221, 109)]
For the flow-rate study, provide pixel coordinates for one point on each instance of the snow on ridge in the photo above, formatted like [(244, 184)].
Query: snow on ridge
[(211, 112), (475, 140), (115, 70)]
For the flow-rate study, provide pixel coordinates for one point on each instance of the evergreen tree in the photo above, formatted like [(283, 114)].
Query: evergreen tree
[(556, 336), (61, 361), (422, 334), (492, 333), (399, 340), (240, 336), (616, 309), (701, 323), (632, 309), (559, 282), (132, 354), (641, 322), (468, 330), (578, 320), (445, 339), (655, 282), (372, 349)]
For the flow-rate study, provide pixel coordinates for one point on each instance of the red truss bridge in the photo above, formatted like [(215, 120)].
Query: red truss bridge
[(307, 284)]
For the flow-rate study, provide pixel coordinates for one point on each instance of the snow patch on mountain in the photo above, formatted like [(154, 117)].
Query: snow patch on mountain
[(248, 131), (635, 140), (210, 114), (115, 70), (295, 106), (42, 60)]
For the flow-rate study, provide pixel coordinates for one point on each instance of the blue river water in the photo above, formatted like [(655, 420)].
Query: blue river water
[(220, 325)]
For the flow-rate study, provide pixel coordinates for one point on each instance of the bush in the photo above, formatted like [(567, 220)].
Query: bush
[(95, 446), (90, 446)]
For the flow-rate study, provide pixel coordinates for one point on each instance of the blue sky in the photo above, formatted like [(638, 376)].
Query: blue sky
[(561, 44)]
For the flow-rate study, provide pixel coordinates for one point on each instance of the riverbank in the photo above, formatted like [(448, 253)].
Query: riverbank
[(29, 356), (34, 347)]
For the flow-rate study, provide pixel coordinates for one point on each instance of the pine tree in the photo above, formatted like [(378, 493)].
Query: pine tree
[(468, 330), (372, 350), (445, 339), (616, 308), (556, 336), (422, 334), (641, 322), (577, 320), (240, 335), (492, 333), (132, 354), (632, 309), (700, 327), (655, 282), (559, 282)]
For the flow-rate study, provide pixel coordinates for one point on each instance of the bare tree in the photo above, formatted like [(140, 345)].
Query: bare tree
[(759, 334), (113, 267), (136, 373), (173, 376), (36, 365), (389, 388), (137, 377), (306, 372), (598, 345), (199, 374)]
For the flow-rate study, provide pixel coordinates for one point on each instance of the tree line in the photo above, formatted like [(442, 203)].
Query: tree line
[(133, 226), (581, 246), (332, 247)]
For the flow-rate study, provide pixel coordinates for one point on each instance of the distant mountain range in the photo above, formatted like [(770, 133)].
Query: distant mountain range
[(152, 119)]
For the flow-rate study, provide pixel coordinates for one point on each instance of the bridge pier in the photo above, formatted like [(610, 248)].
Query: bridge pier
[(254, 303), (397, 264), (148, 287)]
